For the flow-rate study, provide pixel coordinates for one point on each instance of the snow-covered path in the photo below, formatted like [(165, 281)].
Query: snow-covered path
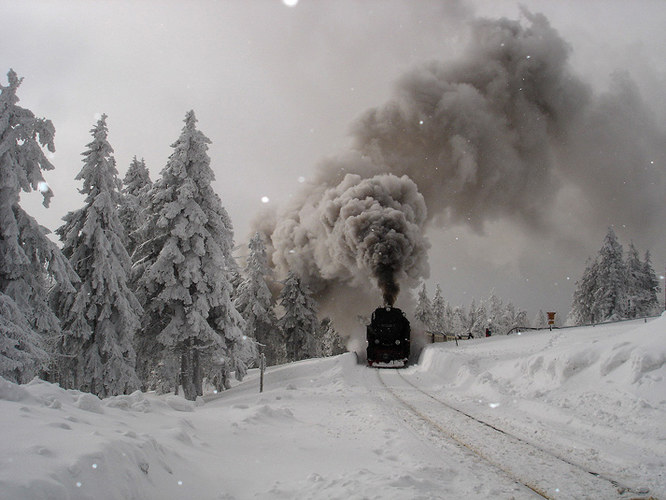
[(330, 428)]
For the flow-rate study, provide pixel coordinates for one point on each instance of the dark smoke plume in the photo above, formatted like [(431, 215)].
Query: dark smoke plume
[(354, 233), (493, 135)]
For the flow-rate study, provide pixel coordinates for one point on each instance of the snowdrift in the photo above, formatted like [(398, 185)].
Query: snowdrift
[(597, 395)]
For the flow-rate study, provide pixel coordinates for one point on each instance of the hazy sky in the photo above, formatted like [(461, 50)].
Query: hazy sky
[(277, 89)]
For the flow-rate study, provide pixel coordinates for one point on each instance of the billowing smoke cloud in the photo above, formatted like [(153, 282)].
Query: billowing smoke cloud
[(355, 233), (494, 134), (499, 132)]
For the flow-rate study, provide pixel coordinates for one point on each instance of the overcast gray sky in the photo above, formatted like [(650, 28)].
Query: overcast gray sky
[(277, 88)]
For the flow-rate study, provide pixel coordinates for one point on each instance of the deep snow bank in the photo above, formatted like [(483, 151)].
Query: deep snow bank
[(628, 357), (595, 394), (322, 429)]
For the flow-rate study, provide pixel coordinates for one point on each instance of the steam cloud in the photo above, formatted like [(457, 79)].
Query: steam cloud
[(355, 232), (495, 134)]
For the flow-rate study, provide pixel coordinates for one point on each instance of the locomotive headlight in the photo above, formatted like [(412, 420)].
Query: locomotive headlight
[(397, 342)]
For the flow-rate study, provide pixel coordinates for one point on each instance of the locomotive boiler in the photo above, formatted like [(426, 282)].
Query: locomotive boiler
[(388, 336)]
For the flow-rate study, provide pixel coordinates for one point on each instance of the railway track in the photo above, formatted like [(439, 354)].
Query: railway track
[(546, 474)]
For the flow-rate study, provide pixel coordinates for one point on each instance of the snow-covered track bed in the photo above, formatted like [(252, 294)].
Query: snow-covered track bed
[(546, 474)]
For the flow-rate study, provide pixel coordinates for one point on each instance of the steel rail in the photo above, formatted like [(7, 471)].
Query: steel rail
[(619, 488)]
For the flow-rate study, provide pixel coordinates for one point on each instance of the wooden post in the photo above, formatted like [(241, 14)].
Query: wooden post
[(262, 368)]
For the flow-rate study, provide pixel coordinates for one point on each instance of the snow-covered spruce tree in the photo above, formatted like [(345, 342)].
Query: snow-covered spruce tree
[(438, 311), (255, 302), (183, 279), (634, 290), (423, 311), (100, 318), (642, 285), (495, 308), (610, 295), (299, 322), (29, 261), (477, 319), (458, 321), (540, 320), (136, 185), (651, 287), (584, 307), (331, 343)]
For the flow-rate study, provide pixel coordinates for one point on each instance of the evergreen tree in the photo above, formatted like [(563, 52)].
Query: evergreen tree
[(478, 319), (540, 320), (613, 288), (650, 286), (496, 321), (136, 185), (610, 296), (299, 322), (438, 311), (423, 312), (29, 261), (100, 318), (458, 322), (255, 302), (584, 308), (183, 266), (331, 343), (636, 294)]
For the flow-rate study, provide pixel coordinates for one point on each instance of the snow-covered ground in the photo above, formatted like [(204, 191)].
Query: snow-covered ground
[(548, 409)]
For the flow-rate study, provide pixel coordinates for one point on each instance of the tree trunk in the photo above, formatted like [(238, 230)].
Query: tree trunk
[(187, 372)]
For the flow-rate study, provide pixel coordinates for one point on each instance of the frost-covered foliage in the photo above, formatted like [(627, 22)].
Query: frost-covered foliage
[(610, 295), (613, 288), (136, 185), (99, 319), (182, 266), (299, 322), (540, 320), (439, 315), (423, 311), (331, 342), (29, 261), (254, 302), (459, 321)]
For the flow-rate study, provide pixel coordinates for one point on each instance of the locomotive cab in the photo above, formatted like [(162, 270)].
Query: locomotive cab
[(388, 336)]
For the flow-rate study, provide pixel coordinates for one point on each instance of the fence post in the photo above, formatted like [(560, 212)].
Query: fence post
[(262, 368)]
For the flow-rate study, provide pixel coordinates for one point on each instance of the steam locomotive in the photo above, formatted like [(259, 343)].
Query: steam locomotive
[(388, 338)]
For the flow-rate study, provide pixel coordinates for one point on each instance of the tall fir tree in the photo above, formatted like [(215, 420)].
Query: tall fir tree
[(610, 295), (29, 261), (183, 263), (438, 311), (299, 322), (477, 318), (540, 320), (650, 286), (100, 318), (136, 185), (584, 308), (634, 285), (254, 302), (331, 343), (495, 310), (423, 311), (613, 288)]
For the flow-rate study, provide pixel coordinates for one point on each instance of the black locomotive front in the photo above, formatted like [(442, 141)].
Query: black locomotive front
[(388, 338)]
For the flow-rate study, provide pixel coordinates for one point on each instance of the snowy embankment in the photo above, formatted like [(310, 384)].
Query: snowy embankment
[(323, 429)]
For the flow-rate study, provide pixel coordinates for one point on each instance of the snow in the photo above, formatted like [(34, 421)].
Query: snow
[(329, 428)]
